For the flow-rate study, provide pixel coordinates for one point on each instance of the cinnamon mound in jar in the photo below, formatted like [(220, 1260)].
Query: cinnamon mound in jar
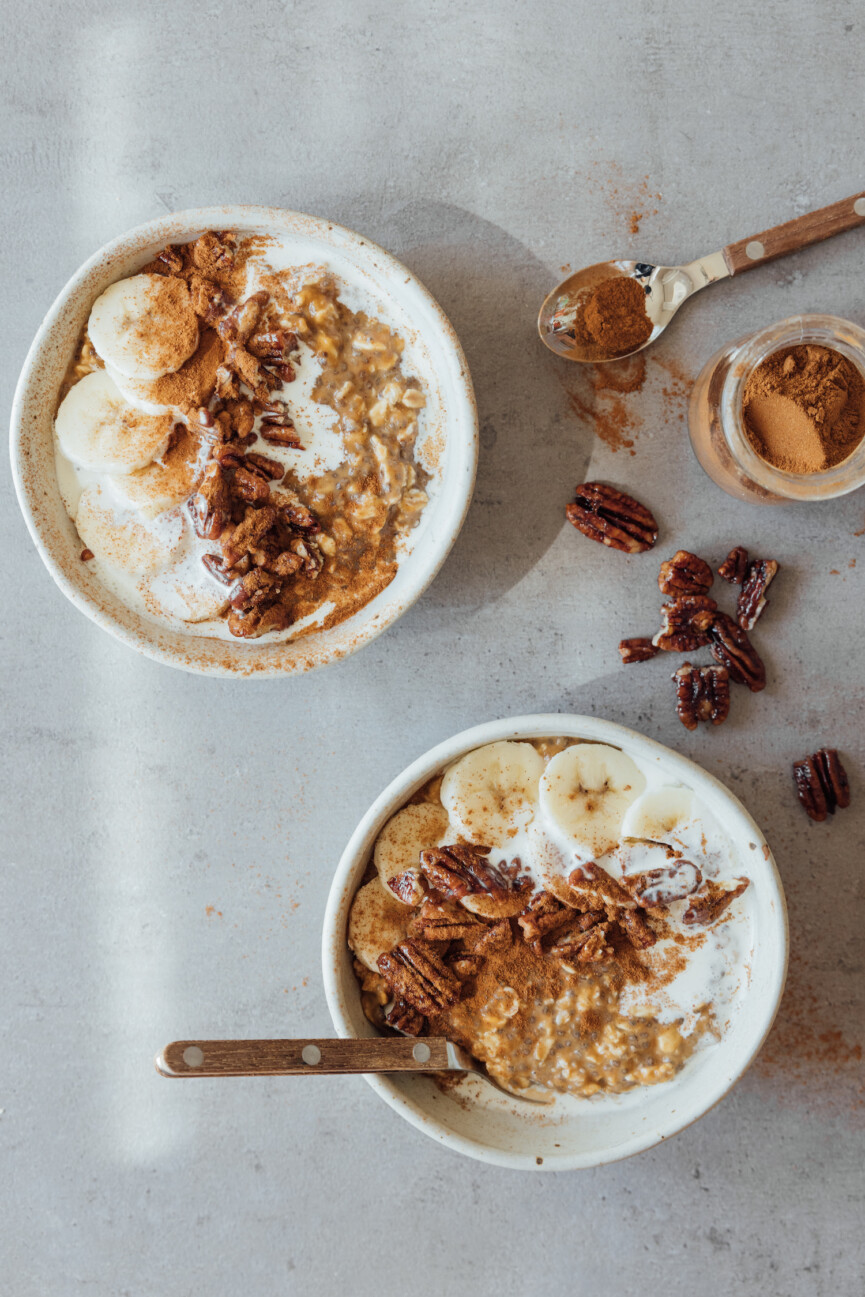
[(804, 408), (612, 317)]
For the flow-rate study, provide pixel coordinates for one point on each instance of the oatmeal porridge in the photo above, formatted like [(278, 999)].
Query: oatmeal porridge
[(576, 923), (240, 449)]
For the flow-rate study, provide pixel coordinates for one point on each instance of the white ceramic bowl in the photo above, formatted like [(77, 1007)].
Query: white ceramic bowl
[(485, 1124), (441, 366)]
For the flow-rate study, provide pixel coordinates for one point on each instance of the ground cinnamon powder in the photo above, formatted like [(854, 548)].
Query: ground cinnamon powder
[(804, 408), (614, 315)]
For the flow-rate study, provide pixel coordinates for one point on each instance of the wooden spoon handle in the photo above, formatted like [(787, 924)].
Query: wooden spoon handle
[(793, 235), (300, 1057)]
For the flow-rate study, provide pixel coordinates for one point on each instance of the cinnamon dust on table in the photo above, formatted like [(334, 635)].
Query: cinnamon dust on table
[(804, 408)]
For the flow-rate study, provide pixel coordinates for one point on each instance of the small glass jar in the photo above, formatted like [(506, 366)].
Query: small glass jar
[(716, 425)]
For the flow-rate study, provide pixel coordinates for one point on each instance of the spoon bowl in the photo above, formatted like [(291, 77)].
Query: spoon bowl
[(667, 287)]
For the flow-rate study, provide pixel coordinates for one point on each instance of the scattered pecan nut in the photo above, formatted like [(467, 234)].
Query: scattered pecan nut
[(271, 469), (821, 783), (637, 649), (752, 596), (458, 871), (702, 694), (592, 888), (407, 887), (685, 573), (210, 506), (711, 901), (416, 974), (542, 915), (612, 518), (636, 929), (732, 648), (735, 566), (685, 626), (443, 921), (658, 888), (585, 945)]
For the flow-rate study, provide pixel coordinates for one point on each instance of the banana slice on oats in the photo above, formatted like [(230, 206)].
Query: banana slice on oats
[(168, 480), (98, 430), (123, 541), (377, 923), (400, 843), (584, 793), (656, 816), (492, 793), (144, 325)]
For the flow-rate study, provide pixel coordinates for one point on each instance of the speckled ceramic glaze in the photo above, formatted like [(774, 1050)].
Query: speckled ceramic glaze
[(411, 310), (478, 1120)]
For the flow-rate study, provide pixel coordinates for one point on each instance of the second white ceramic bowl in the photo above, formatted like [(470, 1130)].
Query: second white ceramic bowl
[(453, 432), (478, 1120)]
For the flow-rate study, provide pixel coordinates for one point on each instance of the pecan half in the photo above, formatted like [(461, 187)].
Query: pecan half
[(732, 648), (821, 783), (218, 570), (210, 506), (657, 888), (587, 946), (592, 888), (443, 921), (637, 650), (264, 466), (685, 573), (280, 434), (458, 871), (407, 886), (711, 902), (752, 597), (735, 566), (636, 929), (415, 974), (612, 518), (684, 626), (252, 487), (402, 1017), (702, 694), (543, 914)]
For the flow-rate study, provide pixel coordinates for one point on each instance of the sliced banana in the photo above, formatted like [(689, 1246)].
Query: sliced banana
[(98, 430), (145, 325), (120, 540), (584, 793), (186, 592), (168, 480), (656, 815), (492, 793), (403, 838), (190, 387), (137, 392), (491, 907), (376, 924)]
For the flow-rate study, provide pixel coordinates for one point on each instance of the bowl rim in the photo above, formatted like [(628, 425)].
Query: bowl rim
[(357, 853), (149, 638)]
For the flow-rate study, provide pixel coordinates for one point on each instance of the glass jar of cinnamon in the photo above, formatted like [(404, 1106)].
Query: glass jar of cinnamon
[(779, 415)]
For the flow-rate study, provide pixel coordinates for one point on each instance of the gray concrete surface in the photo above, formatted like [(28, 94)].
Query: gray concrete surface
[(168, 841)]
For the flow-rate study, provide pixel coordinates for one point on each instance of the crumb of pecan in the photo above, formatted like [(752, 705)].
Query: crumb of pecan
[(685, 573), (86, 555), (752, 596), (585, 945), (592, 888), (637, 649), (402, 1017), (821, 783), (711, 901), (542, 915), (734, 567), (636, 929), (658, 888)]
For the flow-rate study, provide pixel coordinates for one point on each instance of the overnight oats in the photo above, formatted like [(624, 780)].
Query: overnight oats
[(578, 924), (240, 450)]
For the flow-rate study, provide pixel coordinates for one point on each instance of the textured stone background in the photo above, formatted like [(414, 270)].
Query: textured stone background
[(487, 145)]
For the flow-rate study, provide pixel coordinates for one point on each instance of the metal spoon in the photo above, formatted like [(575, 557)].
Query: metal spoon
[(667, 287), (325, 1057)]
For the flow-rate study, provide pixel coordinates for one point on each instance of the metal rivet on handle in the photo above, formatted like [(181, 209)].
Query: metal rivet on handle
[(755, 250), (193, 1056), (859, 207), (421, 1052), (311, 1054)]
